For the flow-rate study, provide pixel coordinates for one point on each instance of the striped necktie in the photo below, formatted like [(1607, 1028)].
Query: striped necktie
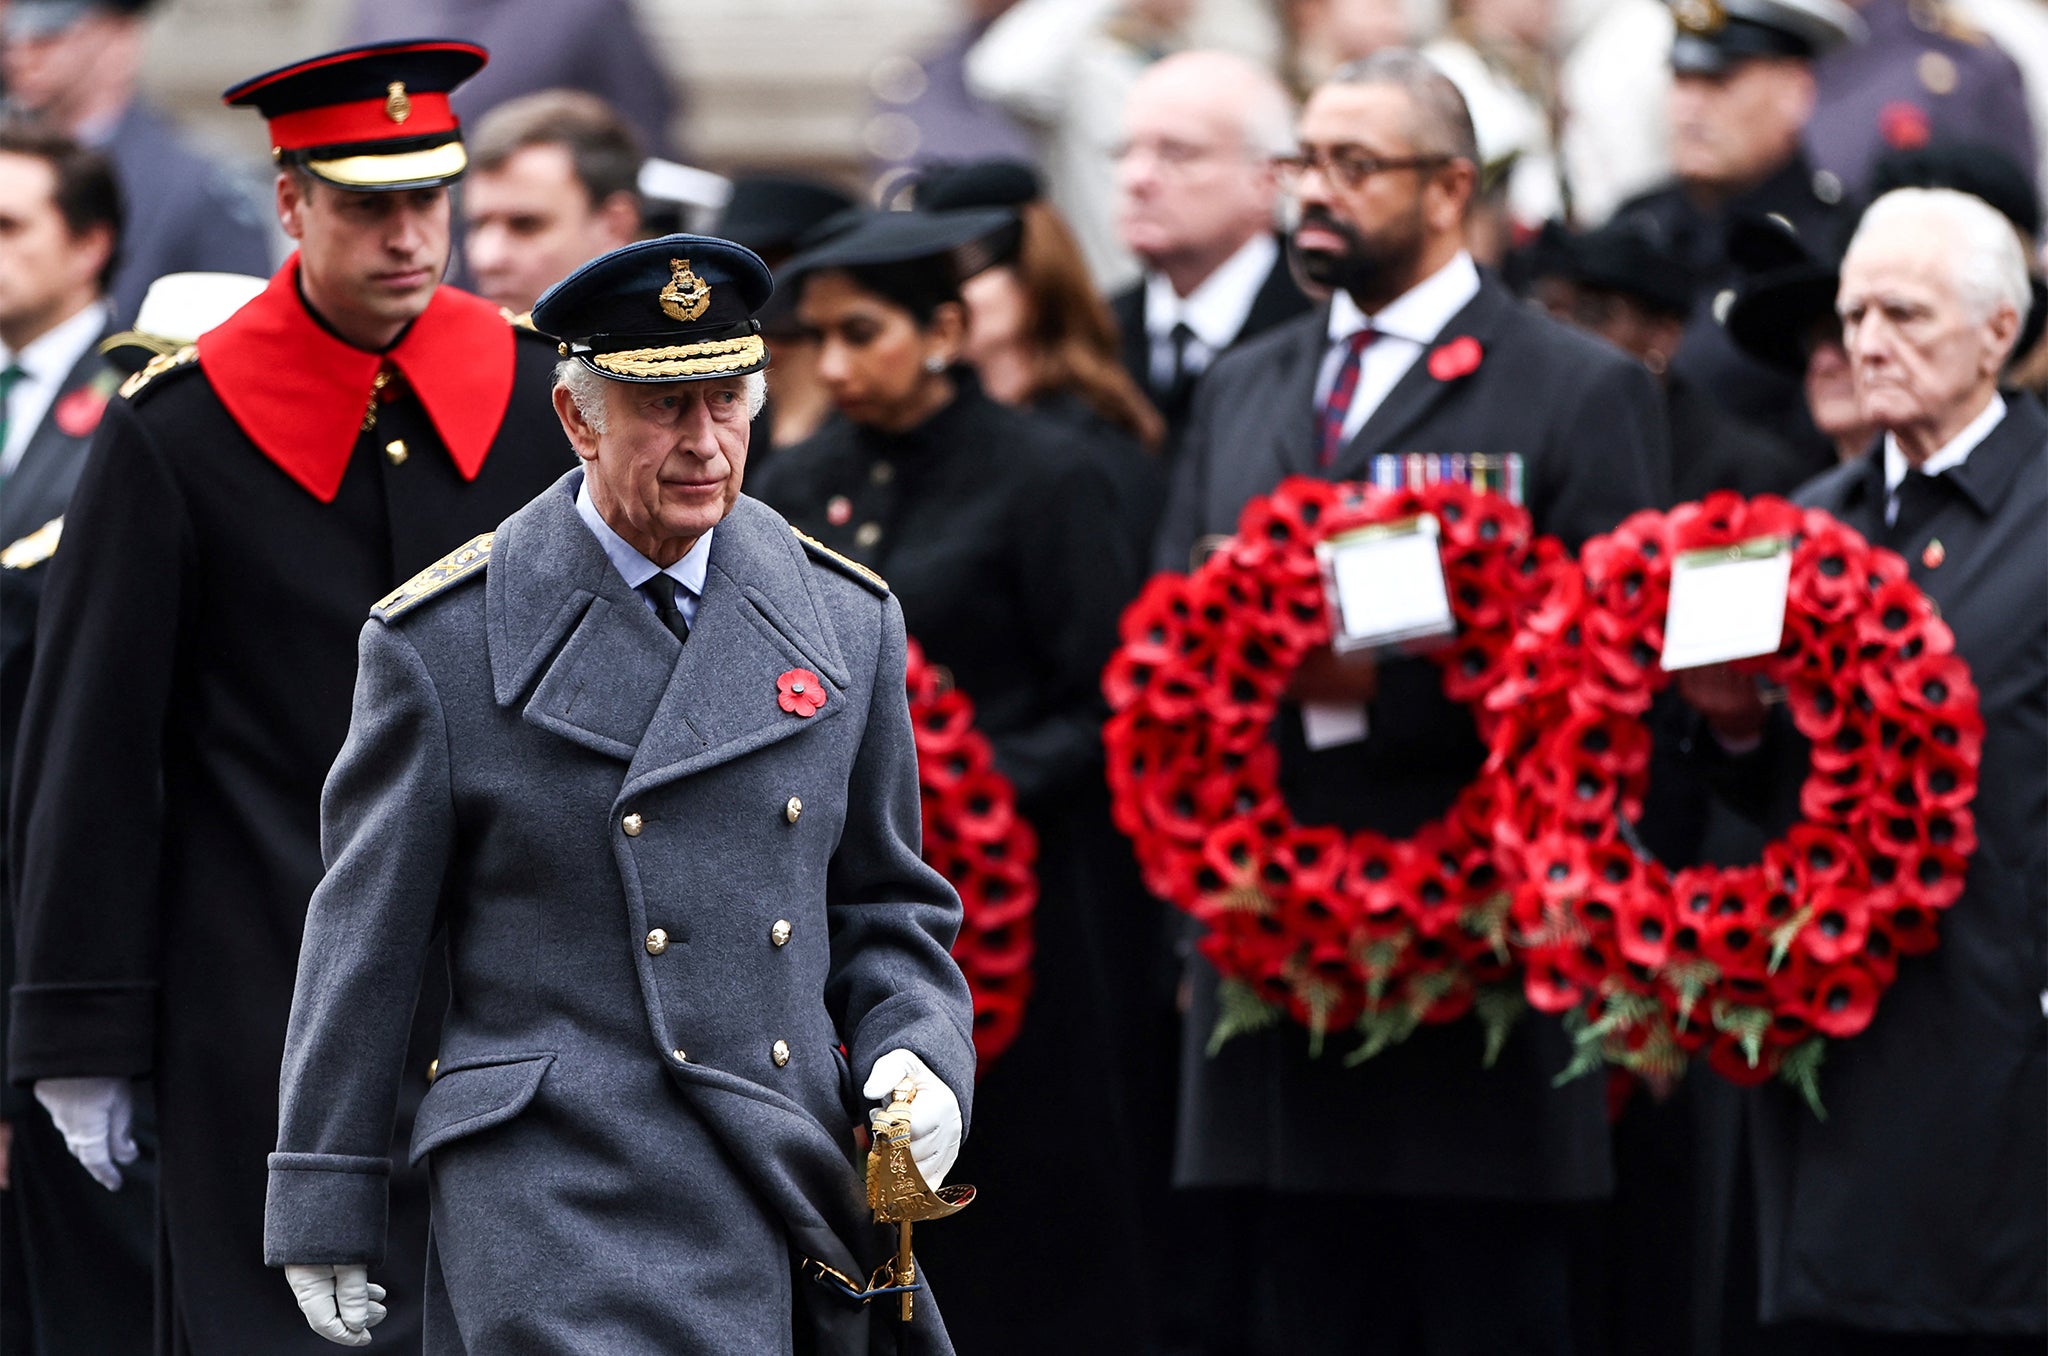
[(1337, 405)]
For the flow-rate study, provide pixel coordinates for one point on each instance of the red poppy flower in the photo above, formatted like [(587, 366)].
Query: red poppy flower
[(1458, 358), (78, 413), (800, 693), (1846, 1001), (1904, 125)]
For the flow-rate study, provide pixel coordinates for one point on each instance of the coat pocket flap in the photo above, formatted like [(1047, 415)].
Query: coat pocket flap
[(474, 1097)]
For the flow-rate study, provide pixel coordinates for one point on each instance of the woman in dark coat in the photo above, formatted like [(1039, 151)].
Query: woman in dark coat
[(1001, 536)]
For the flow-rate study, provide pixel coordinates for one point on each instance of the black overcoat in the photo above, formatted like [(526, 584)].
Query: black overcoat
[(1002, 537), (1423, 1119), (195, 663), (88, 1251), (1921, 1203)]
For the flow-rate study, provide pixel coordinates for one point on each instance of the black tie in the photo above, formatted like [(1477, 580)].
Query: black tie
[(1174, 400), (1920, 497), (661, 591)]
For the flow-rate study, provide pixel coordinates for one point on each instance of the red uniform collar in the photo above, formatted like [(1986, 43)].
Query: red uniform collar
[(299, 393)]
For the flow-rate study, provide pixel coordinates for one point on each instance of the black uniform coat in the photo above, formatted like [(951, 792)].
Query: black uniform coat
[(1921, 1203), (1751, 390), (1001, 536), (195, 660), (1279, 298), (1422, 1119), (88, 1251), (665, 987), (1713, 450)]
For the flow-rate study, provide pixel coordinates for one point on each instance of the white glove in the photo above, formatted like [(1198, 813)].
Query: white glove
[(96, 1116), (934, 1113), (339, 1302)]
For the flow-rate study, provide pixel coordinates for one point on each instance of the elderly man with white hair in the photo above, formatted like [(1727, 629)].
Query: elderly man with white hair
[(1915, 1217)]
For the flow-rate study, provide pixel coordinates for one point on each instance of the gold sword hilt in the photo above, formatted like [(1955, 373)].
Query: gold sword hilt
[(897, 1191)]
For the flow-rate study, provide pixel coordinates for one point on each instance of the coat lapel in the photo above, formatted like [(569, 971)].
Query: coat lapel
[(603, 671), (39, 484), (1417, 394), (1294, 444), (759, 619)]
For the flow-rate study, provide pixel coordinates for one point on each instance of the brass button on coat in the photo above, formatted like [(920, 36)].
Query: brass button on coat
[(396, 450), (632, 824), (657, 942), (867, 534), (881, 473), (793, 809), (433, 1069), (779, 934), (779, 1052), (681, 1058)]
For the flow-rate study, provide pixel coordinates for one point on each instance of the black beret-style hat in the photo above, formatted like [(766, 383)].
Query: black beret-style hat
[(680, 308), (950, 187), (372, 118), (1632, 256), (769, 212), (964, 242)]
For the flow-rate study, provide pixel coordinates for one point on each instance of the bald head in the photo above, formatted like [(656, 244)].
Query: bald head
[(1194, 177)]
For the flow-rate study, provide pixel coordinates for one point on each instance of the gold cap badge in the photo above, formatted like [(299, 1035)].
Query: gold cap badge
[(397, 103), (687, 296), (1702, 17)]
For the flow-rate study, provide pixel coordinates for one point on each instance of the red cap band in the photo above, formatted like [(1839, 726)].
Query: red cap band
[(365, 120)]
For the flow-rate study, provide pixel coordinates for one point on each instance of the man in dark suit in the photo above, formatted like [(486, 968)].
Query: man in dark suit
[(85, 1255), (1387, 1191), (76, 63), (244, 501), (1915, 1217), (1196, 194)]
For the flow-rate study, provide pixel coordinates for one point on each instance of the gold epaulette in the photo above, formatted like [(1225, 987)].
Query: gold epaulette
[(37, 547), (451, 569), (156, 367), (852, 569)]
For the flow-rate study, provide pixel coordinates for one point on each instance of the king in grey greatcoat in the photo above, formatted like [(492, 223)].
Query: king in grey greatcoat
[(684, 920)]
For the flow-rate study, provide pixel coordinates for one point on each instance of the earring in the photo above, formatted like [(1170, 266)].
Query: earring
[(934, 364)]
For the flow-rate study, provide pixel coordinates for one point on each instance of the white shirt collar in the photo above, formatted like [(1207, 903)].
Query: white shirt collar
[(1951, 454), (51, 357), (633, 567), (1218, 307), (1417, 315)]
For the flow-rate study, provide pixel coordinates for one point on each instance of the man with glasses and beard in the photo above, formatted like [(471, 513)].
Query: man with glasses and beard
[(1389, 1191)]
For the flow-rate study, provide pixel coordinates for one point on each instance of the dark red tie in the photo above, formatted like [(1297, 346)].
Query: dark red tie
[(1337, 406)]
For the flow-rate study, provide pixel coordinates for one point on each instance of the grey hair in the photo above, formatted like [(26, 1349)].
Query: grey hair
[(1987, 263), (587, 389), (1442, 123)]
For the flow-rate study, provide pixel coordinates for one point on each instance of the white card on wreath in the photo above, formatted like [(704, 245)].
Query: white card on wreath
[(1727, 603), (1386, 584)]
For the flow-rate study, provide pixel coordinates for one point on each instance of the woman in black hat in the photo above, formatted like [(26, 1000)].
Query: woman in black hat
[(1001, 537)]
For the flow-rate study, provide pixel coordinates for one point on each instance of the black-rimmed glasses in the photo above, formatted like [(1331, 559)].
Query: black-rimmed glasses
[(1347, 166)]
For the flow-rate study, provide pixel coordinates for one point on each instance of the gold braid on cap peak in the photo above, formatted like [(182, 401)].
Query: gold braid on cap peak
[(684, 360)]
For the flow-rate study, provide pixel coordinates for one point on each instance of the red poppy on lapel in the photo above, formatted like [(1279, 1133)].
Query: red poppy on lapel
[(1458, 358), (78, 413), (800, 693)]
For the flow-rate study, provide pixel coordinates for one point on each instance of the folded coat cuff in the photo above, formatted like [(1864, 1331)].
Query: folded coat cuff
[(926, 1029), (82, 1030), (326, 1209)]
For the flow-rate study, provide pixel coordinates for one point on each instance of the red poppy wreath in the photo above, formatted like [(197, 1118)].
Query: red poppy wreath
[(974, 837), (1757, 966), (1336, 931)]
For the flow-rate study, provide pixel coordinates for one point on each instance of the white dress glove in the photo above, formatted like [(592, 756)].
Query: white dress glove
[(339, 1302), (934, 1113), (96, 1116)]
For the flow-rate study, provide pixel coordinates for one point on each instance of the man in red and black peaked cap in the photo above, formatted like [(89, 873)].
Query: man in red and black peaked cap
[(244, 504)]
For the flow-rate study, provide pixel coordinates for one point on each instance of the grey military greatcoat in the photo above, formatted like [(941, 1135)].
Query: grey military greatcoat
[(682, 923)]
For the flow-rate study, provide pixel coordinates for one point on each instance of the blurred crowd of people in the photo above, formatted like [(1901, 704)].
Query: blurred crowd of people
[(1132, 263)]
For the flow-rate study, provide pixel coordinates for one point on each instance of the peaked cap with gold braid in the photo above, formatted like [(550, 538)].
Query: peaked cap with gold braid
[(680, 308)]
